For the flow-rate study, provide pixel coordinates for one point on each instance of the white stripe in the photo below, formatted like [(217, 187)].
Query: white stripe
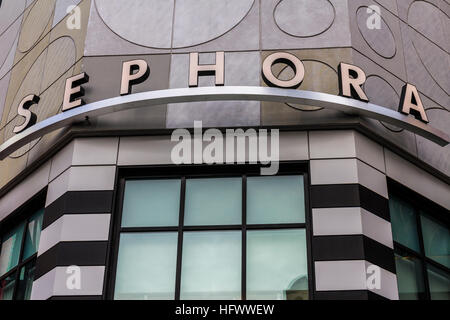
[(348, 221), (75, 227), (54, 283), (352, 275), (98, 178)]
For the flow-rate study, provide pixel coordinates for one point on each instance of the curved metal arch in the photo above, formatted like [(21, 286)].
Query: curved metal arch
[(159, 97)]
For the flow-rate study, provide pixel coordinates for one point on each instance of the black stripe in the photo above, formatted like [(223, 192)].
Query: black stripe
[(78, 202), (348, 295), (349, 195), (379, 254), (375, 203), (335, 248), (83, 253), (335, 196), (353, 247)]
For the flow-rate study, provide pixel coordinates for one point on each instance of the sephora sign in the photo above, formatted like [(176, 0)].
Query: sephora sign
[(411, 114)]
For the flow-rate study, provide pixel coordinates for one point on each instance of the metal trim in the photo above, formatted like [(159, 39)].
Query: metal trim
[(159, 97)]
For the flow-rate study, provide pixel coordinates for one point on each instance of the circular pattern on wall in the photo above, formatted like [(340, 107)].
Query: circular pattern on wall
[(433, 60), (10, 10), (304, 18), (44, 78), (430, 21), (381, 92), (35, 23), (327, 82), (7, 47), (381, 40), (420, 14), (150, 23)]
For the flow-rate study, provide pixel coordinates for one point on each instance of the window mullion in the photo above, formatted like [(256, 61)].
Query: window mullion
[(244, 239), (9, 273), (423, 260), (180, 239), (436, 265), (401, 247)]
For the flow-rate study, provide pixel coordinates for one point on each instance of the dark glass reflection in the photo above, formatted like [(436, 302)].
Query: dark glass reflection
[(439, 284), (26, 278), (409, 277), (436, 240), (7, 287), (404, 223)]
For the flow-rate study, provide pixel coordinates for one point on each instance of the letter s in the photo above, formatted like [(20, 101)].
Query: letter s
[(22, 110)]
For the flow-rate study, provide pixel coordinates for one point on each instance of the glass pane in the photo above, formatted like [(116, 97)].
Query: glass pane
[(146, 266), (7, 287), (26, 281), (151, 203), (213, 201), (409, 277), (278, 199), (439, 284), (10, 250), (277, 265), (404, 223), (33, 234), (211, 267), (436, 239)]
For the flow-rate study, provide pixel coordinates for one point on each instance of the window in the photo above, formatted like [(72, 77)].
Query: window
[(212, 237), (422, 246), (18, 251)]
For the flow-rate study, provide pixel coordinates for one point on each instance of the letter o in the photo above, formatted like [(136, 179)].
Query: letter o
[(289, 59)]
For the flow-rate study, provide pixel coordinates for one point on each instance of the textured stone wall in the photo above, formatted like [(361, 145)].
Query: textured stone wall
[(38, 51)]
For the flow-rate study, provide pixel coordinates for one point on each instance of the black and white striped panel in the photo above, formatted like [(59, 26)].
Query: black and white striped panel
[(351, 224), (76, 222)]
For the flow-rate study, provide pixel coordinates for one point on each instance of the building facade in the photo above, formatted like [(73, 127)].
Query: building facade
[(94, 206)]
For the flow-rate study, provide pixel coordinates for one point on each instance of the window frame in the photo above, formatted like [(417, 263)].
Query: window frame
[(184, 172), (22, 215), (420, 204)]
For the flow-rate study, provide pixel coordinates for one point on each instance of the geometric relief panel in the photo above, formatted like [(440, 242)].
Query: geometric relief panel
[(430, 21), (10, 11), (8, 46), (381, 40), (304, 24), (163, 25), (35, 22), (427, 47), (320, 17), (43, 79), (427, 65), (377, 35)]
